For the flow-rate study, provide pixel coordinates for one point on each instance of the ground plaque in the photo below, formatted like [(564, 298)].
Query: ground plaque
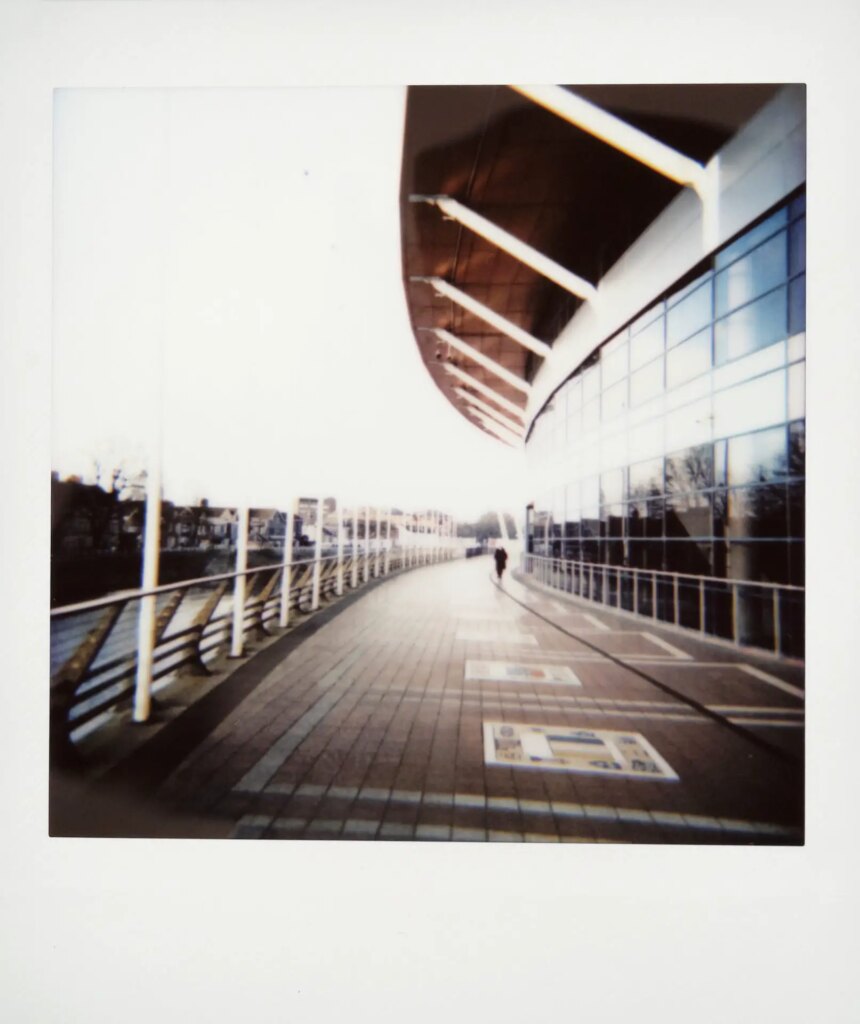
[(512, 672), (625, 755)]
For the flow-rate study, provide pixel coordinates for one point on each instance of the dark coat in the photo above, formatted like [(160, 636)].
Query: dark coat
[(501, 557)]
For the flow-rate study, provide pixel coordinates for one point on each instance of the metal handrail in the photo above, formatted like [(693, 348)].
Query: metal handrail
[(597, 578)]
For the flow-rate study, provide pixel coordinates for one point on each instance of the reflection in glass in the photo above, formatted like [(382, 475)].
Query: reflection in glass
[(797, 305), (690, 315), (757, 458), (646, 478), (688, 515), (647, 382), (763, 269), (757, 403), (751, 239), (689, 360), (648, 345), (758, 512), (690, 470), (797, 247), (754, 326)]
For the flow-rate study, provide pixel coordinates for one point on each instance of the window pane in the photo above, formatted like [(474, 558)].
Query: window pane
[(750, 406), (688, 515), (591, 383), (797, 391), (646, 478), (751, 239), (646, 346), (689, 360), (689, 426), (797, 247), (758, 458), (750, 366), (614, 365), (758, 512), (647, 317), (797, 508), (591, 416), (797, 449), (646, 383), (691, 469), (614, 400), (762, 270), (690, 315), (753, 327), (612, 487), (797, 305)]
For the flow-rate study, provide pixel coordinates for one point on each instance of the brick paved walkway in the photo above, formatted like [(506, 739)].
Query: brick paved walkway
[(369, 729)]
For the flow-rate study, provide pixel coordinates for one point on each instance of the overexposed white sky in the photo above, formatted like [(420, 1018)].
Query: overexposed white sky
[(231, 257)]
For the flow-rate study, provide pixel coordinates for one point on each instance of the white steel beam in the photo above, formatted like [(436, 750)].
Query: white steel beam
[(489, 364), (515, 428), (486, 314), (617, 133), (514, 246), (494, 396), (500, 432)]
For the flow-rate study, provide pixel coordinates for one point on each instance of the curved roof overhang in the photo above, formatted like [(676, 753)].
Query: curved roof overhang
[(514, 206)]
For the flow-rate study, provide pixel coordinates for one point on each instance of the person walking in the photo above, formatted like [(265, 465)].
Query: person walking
[(501, 557)]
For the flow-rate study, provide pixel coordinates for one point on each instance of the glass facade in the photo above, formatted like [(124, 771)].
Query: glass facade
[(680, 446)]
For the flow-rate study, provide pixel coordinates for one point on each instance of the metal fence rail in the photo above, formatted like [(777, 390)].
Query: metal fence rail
[(746, 612), (95, 644)]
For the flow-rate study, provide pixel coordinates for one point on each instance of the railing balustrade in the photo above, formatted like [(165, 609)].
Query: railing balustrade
[(746, 612), (94, 644)]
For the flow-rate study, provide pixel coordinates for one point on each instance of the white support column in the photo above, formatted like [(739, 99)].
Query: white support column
[(149, 579), (315, 591), (514, 247), (478, 385), (339, 548), (238, 632), (287, 571), (488, 315), (365, 570)]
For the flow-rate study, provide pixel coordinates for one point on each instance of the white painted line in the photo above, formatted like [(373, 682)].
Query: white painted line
[(660, 642), (748, 709), (766, 677), (593, 619)]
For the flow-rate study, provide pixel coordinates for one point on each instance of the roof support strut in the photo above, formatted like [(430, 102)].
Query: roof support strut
[(486, 314), (617, 133), (503, 421), (489, 364), (513, 246), (473, 382)]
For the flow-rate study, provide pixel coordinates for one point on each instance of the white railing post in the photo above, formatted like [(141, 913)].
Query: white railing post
[(365, 568), (378, 556), (287, 571), (635, 592), (677, 617), (387, 562), (238, 631), (653, 595), (735, 636), (315, 591), (701, 606), (777, 629), (353, 533), (149, 579), (339, 548)]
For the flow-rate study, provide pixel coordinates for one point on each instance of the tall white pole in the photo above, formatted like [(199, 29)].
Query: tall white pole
[(287, 572), (353, 535), (339, 547), (315, 591), (149, 579), (365, 573), (238, 633)]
